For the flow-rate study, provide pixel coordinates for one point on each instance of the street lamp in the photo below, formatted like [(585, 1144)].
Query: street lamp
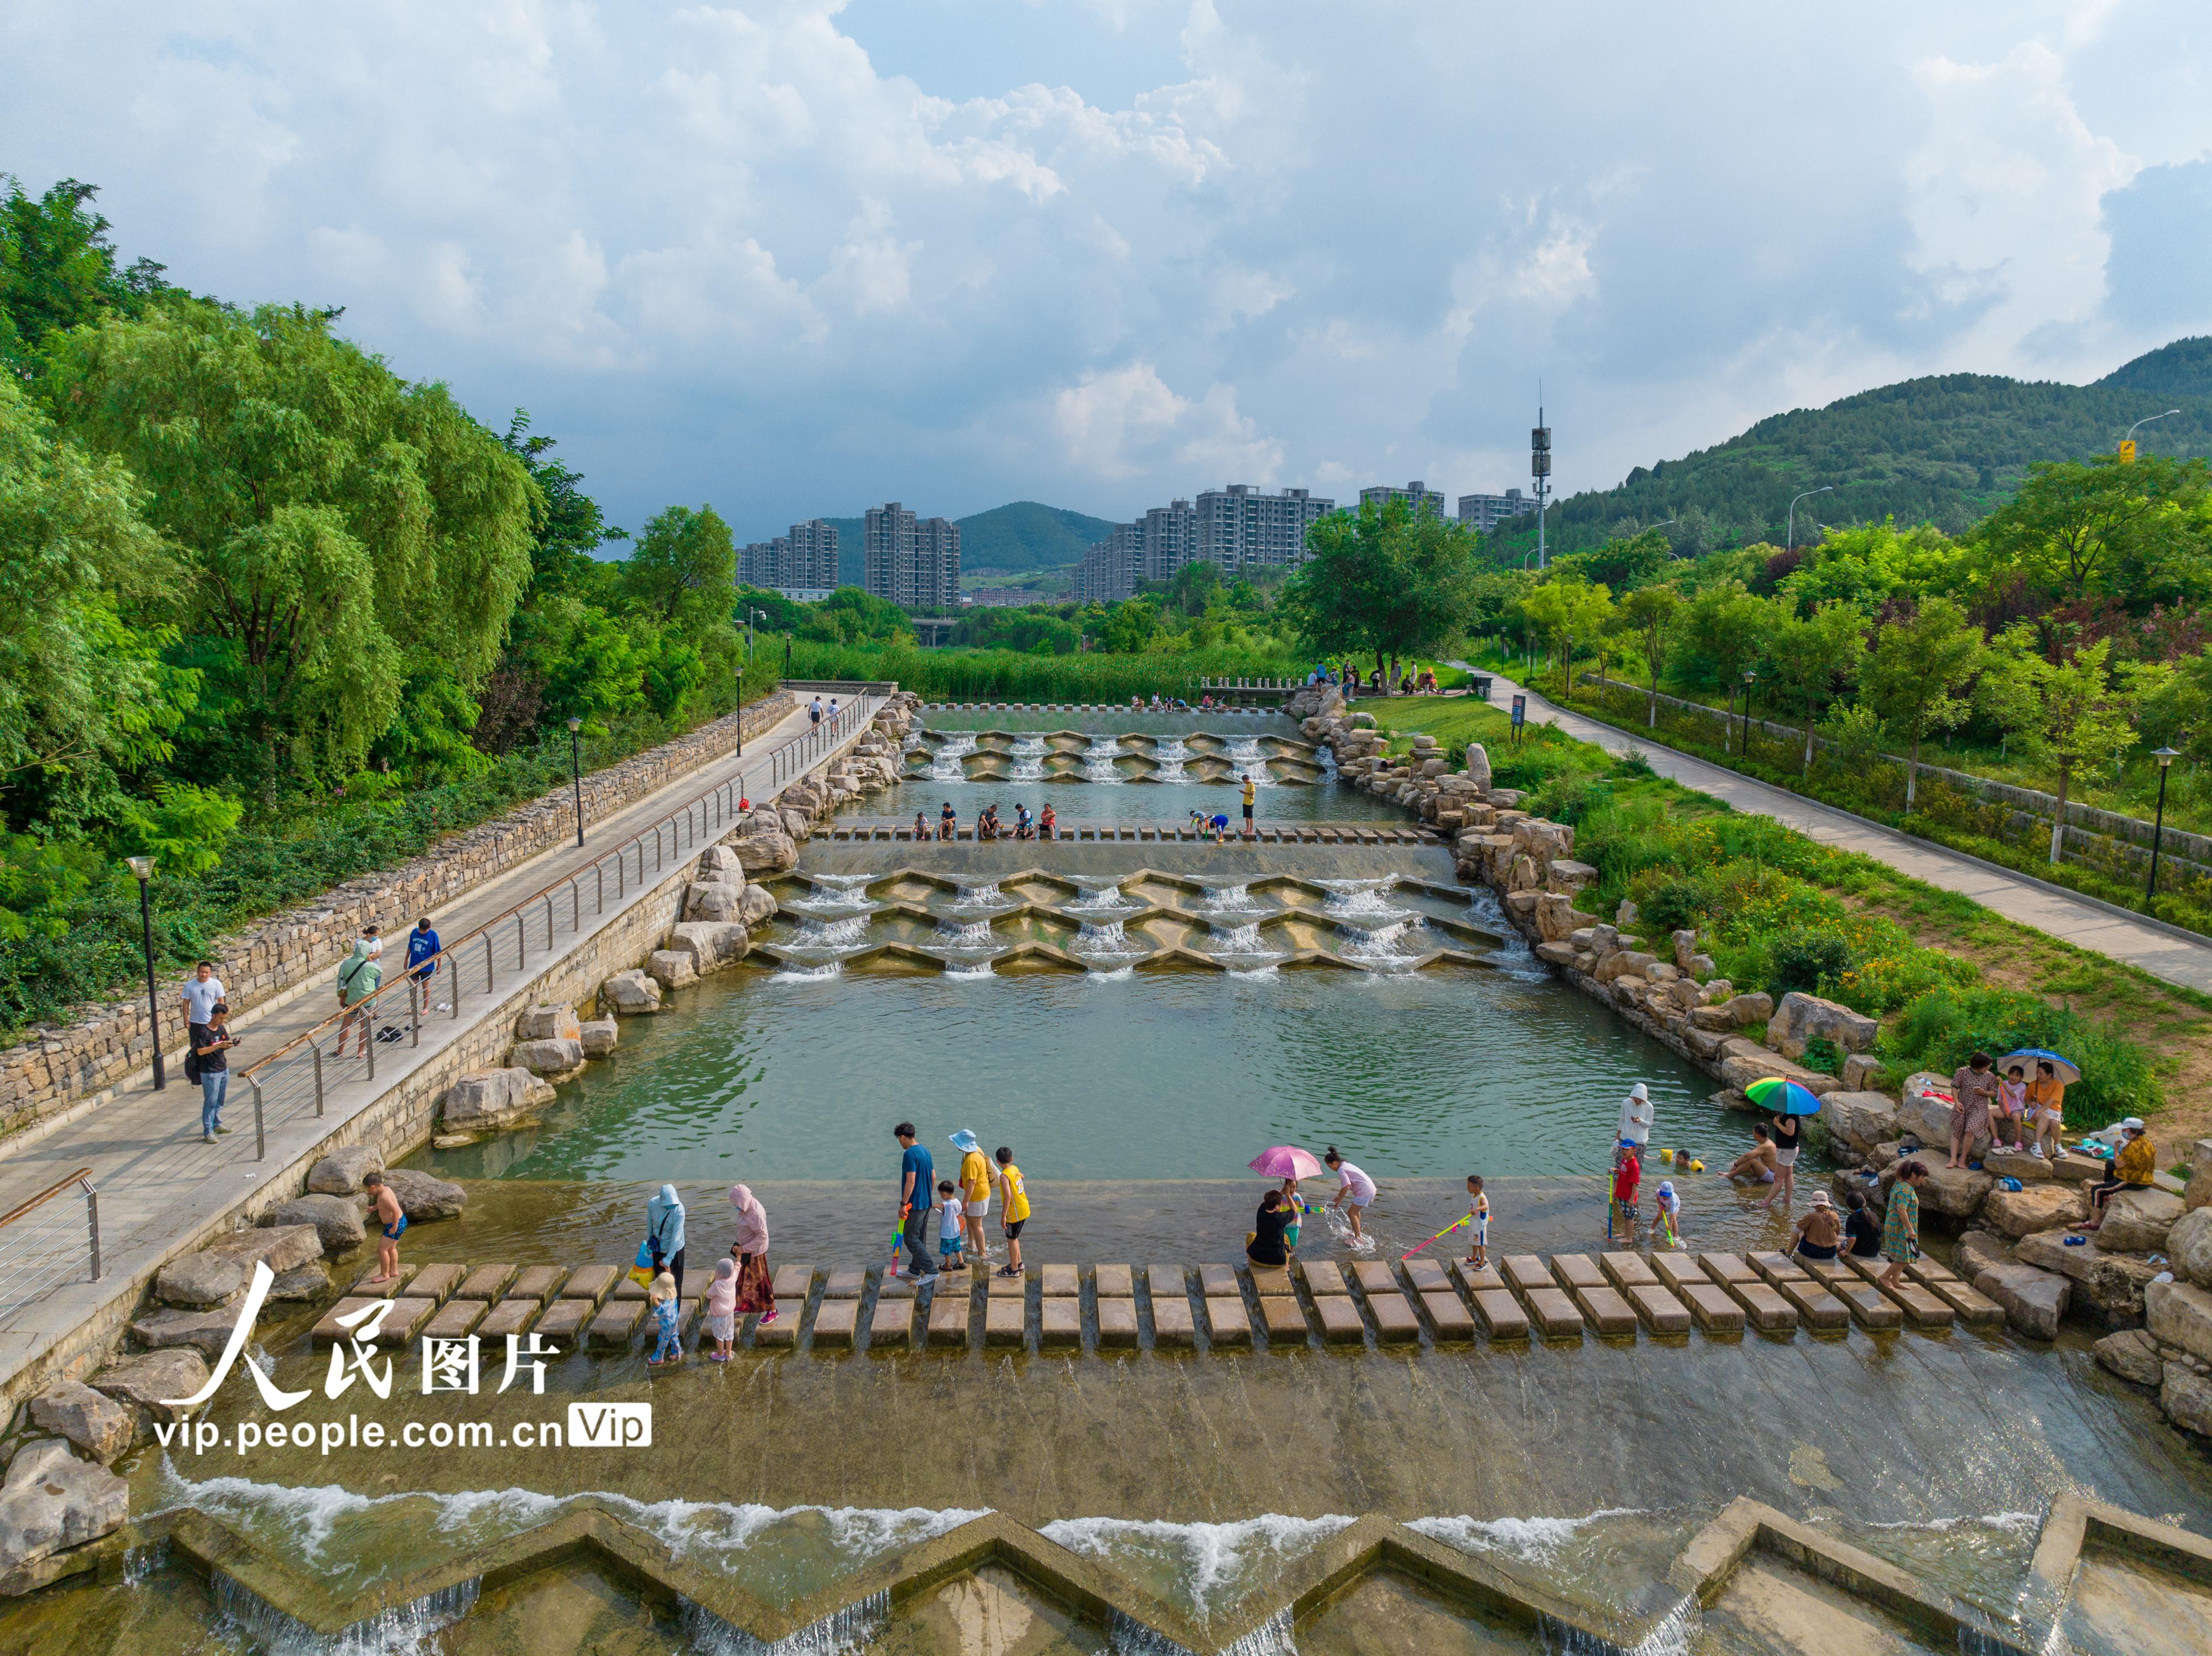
[(2165, 756), (1749, 675), (1824, 488), (2128, 442), (143, 868), (576, 776)]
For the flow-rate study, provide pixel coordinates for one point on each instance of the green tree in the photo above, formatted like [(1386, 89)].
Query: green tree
[(1385, 579), (1651, 614), (1570, 611), (2139, 532), (57, 269), (684, 573), (1816, 656), (2074, 713), (1129, 628), (1913, 675), (1728, 629)]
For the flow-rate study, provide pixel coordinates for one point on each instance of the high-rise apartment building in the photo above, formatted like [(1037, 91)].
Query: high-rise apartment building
[(804, 560), (1417, 494), (913, 562), (1484, 513), (1240, 528)]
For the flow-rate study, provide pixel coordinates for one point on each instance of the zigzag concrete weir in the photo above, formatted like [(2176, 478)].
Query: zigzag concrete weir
[(1142, 1445)]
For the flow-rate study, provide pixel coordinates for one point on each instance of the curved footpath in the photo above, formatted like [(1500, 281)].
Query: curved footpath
[(2166, 953)]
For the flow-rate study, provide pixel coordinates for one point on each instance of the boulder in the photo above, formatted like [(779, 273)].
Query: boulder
[(2028, 1170), (2022, 1212), (2034, 1300), (200, 1282), (2198, 1192), (765, 846), (2180, 1314), (1862, 1120), (547, 1021), (2186, 1397), (147, 1383), (1555, 953), (1802, 1017), (487, 1099), (1478, 762), (1977, 1250), (2132, 1355), (796, 823), (1713, 1017), (557, 1059), (711, 945), (281, 1247), (422, 1197), (339, 1173), (1626, 914), (713, 902), (205, 1332), (1754, 1008), (2110, 1286), (2188, 1247), (671, 968), (1861, 1069), (1572, 875), (1952, 1193), (92, 1420), (719, 859), (337, 1219), (2138, 1220), (53, 1500), (756, 907), (303, 1282), (598, 1036), (630, 994)]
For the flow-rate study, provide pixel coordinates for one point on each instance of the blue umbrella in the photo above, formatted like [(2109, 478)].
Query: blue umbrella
[(2028, 1057), (1782, 1097)]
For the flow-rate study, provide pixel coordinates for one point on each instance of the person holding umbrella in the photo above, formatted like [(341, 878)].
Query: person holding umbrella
[(2046, 1096), (1290, 1164), (1790, 1104)]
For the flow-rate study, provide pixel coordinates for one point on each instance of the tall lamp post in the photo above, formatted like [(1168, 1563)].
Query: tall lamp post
[(576, 775), (1824, 488), (1750, 674), (2165, 756), (2128, 442), (143, 868)]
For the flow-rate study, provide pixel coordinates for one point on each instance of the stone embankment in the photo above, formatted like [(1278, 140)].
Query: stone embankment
[(2145, 1274), (106, 1043)]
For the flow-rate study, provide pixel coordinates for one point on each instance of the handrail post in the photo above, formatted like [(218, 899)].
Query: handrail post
[(599, 895), (369, 1040), (260, 1132), (521, 946), (415, 1009), (92, 1222), (315, 1047)]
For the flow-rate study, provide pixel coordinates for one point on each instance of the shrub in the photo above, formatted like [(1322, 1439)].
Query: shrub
[(1822, 1054), (1677, 905), (1569, 796), (1806, 962), (1945, 1027)]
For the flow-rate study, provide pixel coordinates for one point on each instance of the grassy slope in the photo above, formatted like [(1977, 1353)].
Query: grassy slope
[(2172, 1023)]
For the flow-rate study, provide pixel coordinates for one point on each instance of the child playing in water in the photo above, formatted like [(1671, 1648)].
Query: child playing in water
[(1478, 1210), (665, 1312), (1668, 1222), (951, 1227), (722, 1309), (1627, 1174), (1013, 1208)]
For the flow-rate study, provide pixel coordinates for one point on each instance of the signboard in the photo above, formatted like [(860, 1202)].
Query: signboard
[(2128, 451), (1519, 713)]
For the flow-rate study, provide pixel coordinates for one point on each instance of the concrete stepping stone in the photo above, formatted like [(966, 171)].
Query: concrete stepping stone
[(1323, 1276), (1227, 1322), (1059, 1282), (455, 1319), (793, 1282), (1449, 1317), (629, 1288), (1819, 1310), (1659, 1309), (535, 1282), (1549, 1309), (1015, 1289), (1219, 1283), (844, 1284), (1006, 1322), (1715, 1311), (327, 1331), (385, 1290), (486, 1283), (836, 1322), (1766, 1311), (1502, 1317), (1167, 1281), (1340, 1323), (1921, 1309), (508, 1317), (1627, 1270), (1396, 1323), (1060, 1322), (891, 1323), (616, 1321), (1284, 1319), (435, 1282), (1975, 1308), (564, 1319), (1114, 1283), (1428, 1276), (949, 1316), (1268, 1280), (1374, 1277), (783, 1334), (1602, 1305), (1117, 1322), (1173, 1329), (589, 1283), (896, 1287), (404, 1322), (1869, 1308)]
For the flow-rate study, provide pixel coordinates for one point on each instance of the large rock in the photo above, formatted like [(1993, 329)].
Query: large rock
[(711, 945), (422, 1197), (281, 1247), (1478, 766), (2181, 1313), (764, 846), (339, 1173), (1802, 1017), (2188, 1247), (2028, 1170), (1862, 1120), (671, 968), (92, 1420), (1747, 1009), (484, 1099), (2198, 1192), (555, 1059), (630, 994), (2138, 1220), (149, 1383), (2034, 1300), (205, 1332), (301, 1283), (2022, 1212), (1977, 1250), (718, 859), (1952, 1193), (547, 1021), (2132, 1355), (2108, 1285), (200, 1282), (598, 1036), (2186, 1397), (53, 1500), (337, 1219), (756, 907), (714, 902)]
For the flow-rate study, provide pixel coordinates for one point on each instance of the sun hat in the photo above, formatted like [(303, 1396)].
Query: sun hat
[(966, 1140), (1821, 1199), (2133, 1124)]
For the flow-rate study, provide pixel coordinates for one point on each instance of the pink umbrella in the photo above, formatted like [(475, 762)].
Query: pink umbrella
[(1286, 1161)]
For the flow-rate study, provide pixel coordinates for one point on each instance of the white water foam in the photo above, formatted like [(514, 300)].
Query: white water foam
[(1384, 947), (1103, 900), (792, 972), (944, 764), (986, 895), (408, 1629), (969, 970), (1227, 900), (1244, 753), (849, 1627), (1531, 1540), (1350, 898), (1028, 759), (1099, 759), (1513, 955), (1213, 1566), (1103, 940), (1169, 753), (845, 935)]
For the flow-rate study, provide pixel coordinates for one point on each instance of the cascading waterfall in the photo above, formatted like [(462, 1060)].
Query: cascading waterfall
[(1099, 759), (1226, 899), (944, 764), (1028, 759), (1273, 1637), (1103, 899), (1349, 898), (849, 1627), (1513, 955), (408, 1629), (1170, 753), (965, 934), (1245, 753), (832, 936), (986, 895), (1383, 945)]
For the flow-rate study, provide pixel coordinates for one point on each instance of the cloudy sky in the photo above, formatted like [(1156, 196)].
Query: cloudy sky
[(798, 256)]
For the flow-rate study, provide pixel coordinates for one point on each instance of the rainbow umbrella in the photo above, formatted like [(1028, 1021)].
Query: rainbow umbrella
[(1286, 1161), (1782, 1097)]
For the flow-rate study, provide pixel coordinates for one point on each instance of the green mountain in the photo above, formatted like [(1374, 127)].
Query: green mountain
[(1945, 450), (1012, 538)]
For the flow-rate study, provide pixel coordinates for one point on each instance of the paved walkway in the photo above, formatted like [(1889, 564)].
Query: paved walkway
[(159, 1182), (2163, 953)]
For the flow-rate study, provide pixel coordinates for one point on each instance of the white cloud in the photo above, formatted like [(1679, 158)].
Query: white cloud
[(1127, 421)]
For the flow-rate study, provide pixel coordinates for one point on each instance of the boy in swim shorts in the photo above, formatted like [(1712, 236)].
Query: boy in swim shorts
[(1013, 1208), (392, 1222), (1478, 1209)]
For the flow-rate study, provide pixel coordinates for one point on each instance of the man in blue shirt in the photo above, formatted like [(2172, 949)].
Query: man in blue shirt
[(917, 1183), (422, 945)]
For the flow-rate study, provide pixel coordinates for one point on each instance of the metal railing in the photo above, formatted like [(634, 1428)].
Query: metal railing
[(297, 1078), (43, 1241)]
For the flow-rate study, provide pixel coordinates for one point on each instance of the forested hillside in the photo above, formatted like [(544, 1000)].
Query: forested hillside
[(1009, 539)]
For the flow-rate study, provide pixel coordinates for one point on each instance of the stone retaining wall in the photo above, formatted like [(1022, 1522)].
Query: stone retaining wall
[(56, 1068)]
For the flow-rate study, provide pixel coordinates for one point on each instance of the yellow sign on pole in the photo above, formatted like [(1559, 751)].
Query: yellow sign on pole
[(2128, 451)]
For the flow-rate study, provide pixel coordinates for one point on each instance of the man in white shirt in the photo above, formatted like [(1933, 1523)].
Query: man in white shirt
[(1635, 1117), (201, 993), (1354, 1190)]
